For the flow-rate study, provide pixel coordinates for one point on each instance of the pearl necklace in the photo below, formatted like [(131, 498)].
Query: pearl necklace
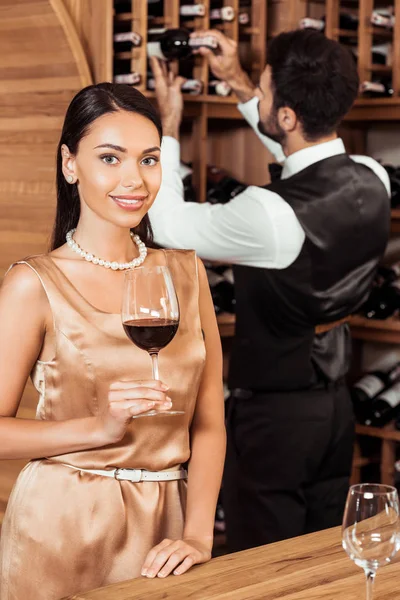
[(115, 266)]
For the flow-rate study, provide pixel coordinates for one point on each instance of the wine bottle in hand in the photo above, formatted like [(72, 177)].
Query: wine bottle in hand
[(150, 314)]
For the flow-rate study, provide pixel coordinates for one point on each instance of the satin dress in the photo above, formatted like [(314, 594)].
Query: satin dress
[(66, 531)]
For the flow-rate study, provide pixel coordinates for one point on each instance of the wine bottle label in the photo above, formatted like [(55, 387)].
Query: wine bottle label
[(392, 395), (128, 36), (370, 384), (154, 49), (227, 13), (130, 78), (308, 23), (192, 10), (209, 41)]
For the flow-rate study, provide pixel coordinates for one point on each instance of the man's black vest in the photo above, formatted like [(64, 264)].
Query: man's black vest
[(344, 210)]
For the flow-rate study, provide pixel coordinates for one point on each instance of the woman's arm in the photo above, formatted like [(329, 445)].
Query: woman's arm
[(24, 317), (208, 438), (208, 441)]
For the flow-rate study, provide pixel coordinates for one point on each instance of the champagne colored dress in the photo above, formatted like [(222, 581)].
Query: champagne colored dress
[(66, 531)]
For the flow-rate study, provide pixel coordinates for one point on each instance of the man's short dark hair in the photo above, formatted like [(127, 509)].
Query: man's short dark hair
[(315, 76)]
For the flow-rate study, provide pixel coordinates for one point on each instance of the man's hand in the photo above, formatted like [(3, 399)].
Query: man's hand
[(225, 63), (169, 97)]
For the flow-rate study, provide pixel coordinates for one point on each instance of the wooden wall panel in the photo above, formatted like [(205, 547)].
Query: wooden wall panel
[(42, 66)]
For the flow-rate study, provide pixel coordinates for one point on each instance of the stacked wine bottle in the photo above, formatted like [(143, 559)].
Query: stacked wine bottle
[(173, 43), (376, 396), (382, 20)]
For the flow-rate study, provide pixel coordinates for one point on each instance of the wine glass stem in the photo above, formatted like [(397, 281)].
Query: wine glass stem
[(154, 364), (370, 578)]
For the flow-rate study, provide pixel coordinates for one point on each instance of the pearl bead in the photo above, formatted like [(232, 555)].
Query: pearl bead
[(114, 265)]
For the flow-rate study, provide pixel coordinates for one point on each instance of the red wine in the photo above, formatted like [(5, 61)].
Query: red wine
[(151, 334)]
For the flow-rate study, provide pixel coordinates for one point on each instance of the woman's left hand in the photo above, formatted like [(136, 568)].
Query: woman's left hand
[(175, 556)]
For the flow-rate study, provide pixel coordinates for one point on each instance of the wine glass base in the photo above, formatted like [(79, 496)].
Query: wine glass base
[(155, 413)]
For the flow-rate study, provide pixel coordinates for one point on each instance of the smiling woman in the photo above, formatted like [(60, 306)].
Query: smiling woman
[(105, 498)]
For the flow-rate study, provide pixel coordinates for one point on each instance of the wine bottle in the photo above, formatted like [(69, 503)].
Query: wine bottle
[(385, 303), (176, 44), (381, 54), (124, 42), (122, 6), (192, 10), (186, 172), (384, 407), (226, 13), (222, 292), (221, 187), (129, 78), (218, 88), (369, 387), (383, 18), (194, 87), (347, 21), (394, 176), (155, 9), (377, 89)]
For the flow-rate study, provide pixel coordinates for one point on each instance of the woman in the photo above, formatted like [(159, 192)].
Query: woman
[(69, 525)]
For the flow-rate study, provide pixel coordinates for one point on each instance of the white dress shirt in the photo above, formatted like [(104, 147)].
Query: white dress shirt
[(257, 228)]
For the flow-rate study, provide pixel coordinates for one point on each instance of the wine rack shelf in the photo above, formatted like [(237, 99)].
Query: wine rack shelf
[(370, 330)]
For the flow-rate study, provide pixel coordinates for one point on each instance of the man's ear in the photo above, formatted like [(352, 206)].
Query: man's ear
[(287, 119)]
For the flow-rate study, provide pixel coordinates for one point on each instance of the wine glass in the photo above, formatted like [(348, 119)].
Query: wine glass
[(371, 527), (150, 315)]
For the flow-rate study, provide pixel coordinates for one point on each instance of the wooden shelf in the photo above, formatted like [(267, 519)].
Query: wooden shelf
[(387, 331), (395, 222), (370, 330), (384, 433)]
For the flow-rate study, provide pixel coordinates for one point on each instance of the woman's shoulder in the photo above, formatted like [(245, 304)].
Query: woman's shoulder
[(22, 280)]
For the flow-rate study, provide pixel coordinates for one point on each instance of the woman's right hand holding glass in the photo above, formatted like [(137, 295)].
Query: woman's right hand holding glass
[(127, 399)]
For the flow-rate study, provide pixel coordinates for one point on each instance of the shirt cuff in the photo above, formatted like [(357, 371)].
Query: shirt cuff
[(170, 152), (249, 110)]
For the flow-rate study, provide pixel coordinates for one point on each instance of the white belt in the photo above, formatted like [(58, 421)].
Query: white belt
[(135, 475)]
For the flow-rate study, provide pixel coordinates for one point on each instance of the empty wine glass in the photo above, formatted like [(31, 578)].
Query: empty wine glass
[(371, 527), (150, 315)]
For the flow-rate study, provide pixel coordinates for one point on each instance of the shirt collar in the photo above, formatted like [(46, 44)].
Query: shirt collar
[(308, 156)]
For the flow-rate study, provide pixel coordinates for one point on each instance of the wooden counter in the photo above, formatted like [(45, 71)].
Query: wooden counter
[(305, 568)]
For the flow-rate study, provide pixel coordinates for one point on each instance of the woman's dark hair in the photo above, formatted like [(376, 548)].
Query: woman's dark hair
[(315, 76), (88, 105)]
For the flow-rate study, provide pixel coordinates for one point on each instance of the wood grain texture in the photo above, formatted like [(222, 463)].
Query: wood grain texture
[(42, 66), (305, 568)]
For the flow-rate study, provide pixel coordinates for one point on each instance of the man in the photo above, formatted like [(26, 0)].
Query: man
[(304, 249)]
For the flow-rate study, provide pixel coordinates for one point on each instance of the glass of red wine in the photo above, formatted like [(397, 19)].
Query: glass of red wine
[(150, 315)]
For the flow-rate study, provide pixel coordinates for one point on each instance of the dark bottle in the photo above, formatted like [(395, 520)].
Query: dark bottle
[(175, 44), (385, 407), (192, 10), (383, 18), (155, 8), (125, 41), (225, 13), (186, 173), (395, 188), (194, 87), (384, 302), (346, 21), (122, 6), (369, 387), (129, 78), (381, 54), (381, 88), (222, 291), (216, 87), (221, 187)]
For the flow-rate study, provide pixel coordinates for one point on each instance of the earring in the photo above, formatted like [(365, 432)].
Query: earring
[(70, 179)]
